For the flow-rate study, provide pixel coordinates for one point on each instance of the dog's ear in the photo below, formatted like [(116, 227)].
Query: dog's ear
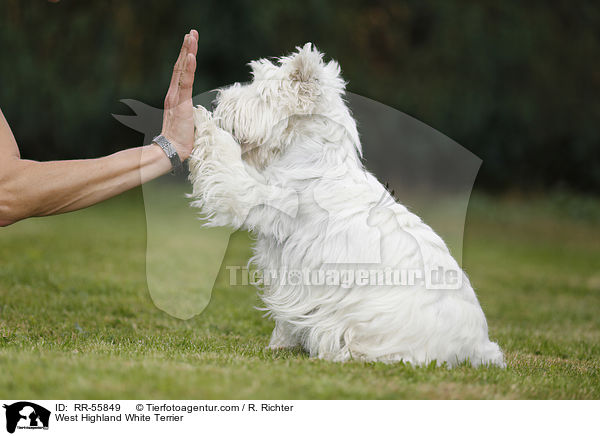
[(308, 77), (263, 69), (306, 65), (303, 74)]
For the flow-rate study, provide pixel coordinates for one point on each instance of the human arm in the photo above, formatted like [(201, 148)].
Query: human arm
[(30, 188)]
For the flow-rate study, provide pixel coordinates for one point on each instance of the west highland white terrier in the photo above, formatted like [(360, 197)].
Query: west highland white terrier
[(281, 157)]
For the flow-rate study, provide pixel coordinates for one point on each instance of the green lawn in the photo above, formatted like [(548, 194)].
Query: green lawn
[(77, 319)]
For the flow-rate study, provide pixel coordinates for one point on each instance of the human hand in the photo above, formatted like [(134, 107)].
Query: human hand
[(178, 117)]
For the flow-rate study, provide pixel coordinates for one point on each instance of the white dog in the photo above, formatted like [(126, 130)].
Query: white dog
[(281, 157)]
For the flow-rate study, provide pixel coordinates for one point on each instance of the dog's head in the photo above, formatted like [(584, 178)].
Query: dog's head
[(265, 114)]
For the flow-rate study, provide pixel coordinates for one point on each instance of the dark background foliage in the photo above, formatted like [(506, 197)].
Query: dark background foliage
[(517, 83)]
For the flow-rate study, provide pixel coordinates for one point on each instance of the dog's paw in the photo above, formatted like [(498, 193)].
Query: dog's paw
[(280, 340), (204, 129), (201, 115)]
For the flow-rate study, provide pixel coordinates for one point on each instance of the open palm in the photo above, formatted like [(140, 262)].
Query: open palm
[(178, 120)]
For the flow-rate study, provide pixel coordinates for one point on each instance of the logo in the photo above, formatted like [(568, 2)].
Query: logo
[(433, 174), (26, 415)]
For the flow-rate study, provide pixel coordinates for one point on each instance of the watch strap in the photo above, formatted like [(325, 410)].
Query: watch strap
[(171, 153)]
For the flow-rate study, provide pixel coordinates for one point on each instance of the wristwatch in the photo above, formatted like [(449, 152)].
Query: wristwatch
[(171, 153)]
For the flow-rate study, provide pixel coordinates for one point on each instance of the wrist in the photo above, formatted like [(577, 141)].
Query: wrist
[(183, 152), (171, 152), (154, 162)]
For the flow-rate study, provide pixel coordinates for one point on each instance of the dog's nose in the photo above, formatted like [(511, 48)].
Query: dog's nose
[(213, 105)]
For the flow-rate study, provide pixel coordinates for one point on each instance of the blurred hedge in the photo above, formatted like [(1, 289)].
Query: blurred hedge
[(515, 82)]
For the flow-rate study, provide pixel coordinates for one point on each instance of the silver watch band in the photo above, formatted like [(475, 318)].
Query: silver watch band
[(171, 153)]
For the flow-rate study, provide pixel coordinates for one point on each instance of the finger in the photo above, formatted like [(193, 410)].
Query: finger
[(193, 46), (171, 97), (186, 82), (182, 54)]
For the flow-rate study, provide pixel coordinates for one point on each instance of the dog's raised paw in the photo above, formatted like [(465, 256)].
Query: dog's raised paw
[(201, 115), (203, 129)]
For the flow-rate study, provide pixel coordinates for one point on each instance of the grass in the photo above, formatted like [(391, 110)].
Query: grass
[(77, 319)]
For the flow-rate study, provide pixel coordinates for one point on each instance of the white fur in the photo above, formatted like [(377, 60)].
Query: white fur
[(281, 157)]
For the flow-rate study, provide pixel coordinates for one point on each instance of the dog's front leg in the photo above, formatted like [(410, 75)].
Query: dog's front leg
[(228, 191), (282, 337)]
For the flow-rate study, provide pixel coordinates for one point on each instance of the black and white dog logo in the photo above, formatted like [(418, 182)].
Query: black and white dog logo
[(26, 415)]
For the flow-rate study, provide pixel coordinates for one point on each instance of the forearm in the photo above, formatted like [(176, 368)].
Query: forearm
[(29, 188)]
